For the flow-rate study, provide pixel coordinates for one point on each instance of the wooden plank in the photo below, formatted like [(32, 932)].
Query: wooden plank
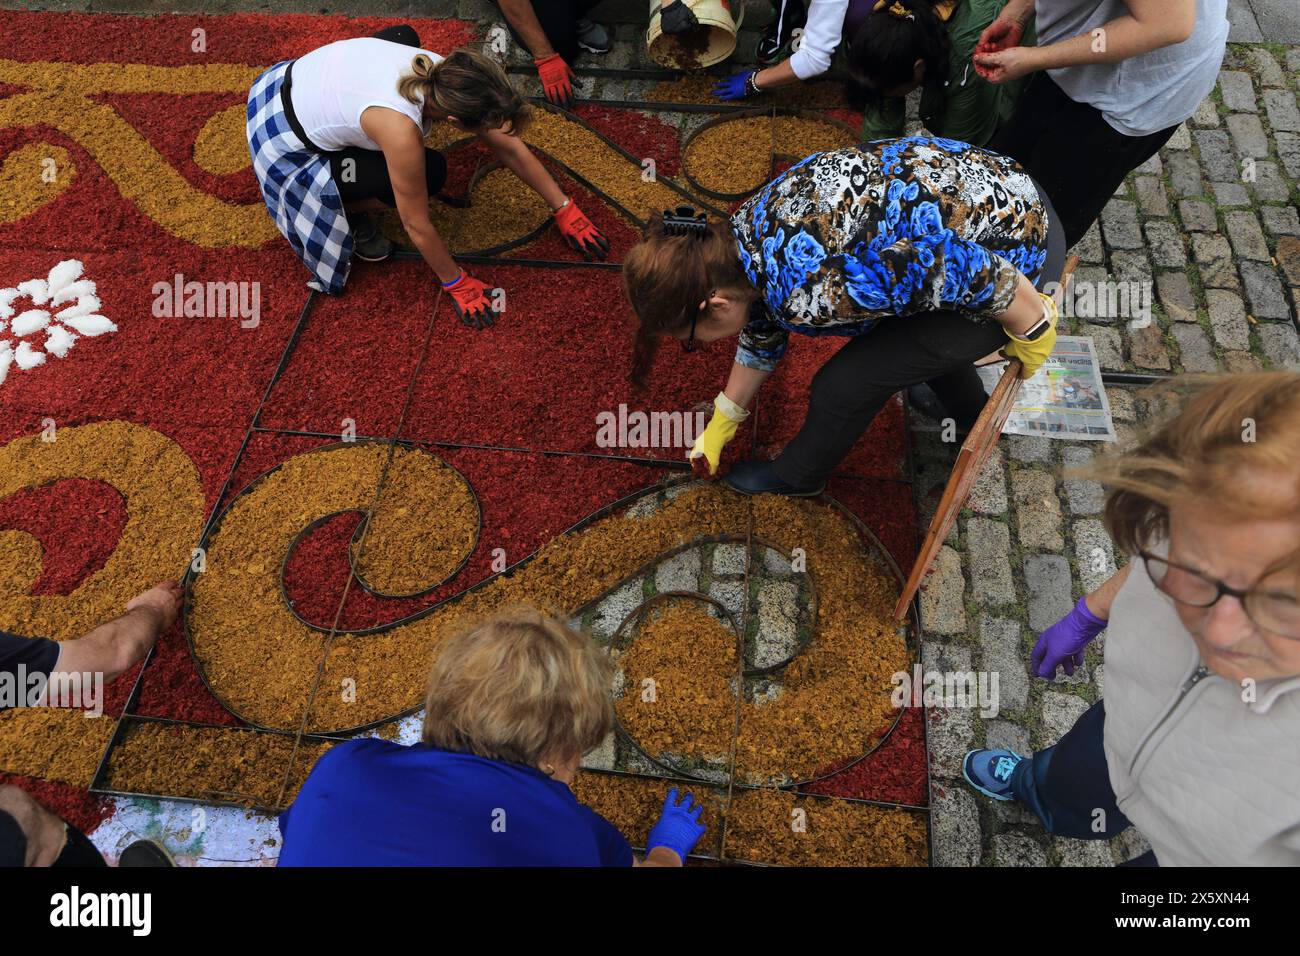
[(975, 451)]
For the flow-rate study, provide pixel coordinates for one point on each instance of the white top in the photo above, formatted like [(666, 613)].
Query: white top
[(821, 35), (335, 84)]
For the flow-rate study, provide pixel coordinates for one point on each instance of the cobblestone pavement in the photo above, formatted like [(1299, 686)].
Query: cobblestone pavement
[(1210, 226)]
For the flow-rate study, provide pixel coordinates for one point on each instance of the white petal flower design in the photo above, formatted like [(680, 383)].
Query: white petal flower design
[(28, 336)]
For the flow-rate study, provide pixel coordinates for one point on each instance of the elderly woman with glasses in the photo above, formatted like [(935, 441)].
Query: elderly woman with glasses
[(1196, 741), (924, 252)]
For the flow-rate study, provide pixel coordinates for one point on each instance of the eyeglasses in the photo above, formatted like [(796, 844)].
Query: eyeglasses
[(690, 343), (1274, 611)]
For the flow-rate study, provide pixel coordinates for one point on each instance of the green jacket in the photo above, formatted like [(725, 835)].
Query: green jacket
[(968, 108)]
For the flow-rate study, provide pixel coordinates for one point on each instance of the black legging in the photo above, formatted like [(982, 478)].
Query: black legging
[(938, 348), (1070, 148), (362, 174)]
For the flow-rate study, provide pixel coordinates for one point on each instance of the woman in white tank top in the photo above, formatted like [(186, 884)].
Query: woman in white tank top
[(343, 128)]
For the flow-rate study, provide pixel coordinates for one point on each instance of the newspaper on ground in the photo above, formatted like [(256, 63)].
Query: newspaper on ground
[(1065, 398)]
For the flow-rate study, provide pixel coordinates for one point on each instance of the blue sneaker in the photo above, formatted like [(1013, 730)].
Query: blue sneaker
[(989, 772)]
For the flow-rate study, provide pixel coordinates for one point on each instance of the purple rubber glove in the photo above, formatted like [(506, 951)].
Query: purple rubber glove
[(734, 87), (679, 827), (1064, 641)]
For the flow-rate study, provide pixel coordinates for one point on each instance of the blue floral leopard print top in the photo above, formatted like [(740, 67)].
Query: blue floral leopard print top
[(894, 227)]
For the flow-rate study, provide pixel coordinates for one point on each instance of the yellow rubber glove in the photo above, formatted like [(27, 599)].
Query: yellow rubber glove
[(1033, 354), (727, 416)]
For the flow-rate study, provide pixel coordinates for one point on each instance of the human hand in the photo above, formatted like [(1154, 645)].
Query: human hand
[(163, 600), (580, 233), (727, 416), (734, 87), (1033, 354), (470, 298), (678, 828), (677, 17), (557, 79), (1003, 32), (1003, 66), (1064, 642)]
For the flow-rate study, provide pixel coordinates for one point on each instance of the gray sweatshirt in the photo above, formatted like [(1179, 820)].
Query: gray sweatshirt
[(1148, 92), (1208, 778)]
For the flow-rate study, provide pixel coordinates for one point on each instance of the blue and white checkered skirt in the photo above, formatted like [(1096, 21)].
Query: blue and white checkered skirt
[(297, 186)]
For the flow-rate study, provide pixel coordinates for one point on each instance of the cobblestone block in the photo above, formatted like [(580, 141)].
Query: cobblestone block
[(729, 559), (1083, 852), (1151, 195), (1280, 344), (1245, 234), (609, 613), (989, 548), (989, 493), (1266, 66), (1214, 257), (1238, 91), (1194, 350), (1082, 496), (778, 615), (1094, 554), (1280, 220), (943, 600), (1047, 577), (1227, 319), (1166, 244), (955, 827), (1288, 150), (950, 735), (1030, 448), (681, 572), (1147, 347), (1198, 216), (1003, 655), (1175, 293), (1230, 194), (1207, 115), (1185, 174), (1038, 512), (1264, 291), (1107, 342), (1269, 186), (1248, 135), (1216, 155), (1283, 114), (1018, 849)]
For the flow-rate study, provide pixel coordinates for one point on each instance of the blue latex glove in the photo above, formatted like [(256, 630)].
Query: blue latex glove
[(734, 87), (679, 827), (1064, 641)]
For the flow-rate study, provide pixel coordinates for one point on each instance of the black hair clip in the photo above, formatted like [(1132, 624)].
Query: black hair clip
[(683, 221)]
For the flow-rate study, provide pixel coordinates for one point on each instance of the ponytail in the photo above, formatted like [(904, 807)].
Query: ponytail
[(468, 86), (884, 50)]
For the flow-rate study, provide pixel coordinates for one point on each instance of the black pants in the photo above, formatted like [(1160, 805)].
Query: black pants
[(1070, 148), (362, 174), (937, 348), (559, 21)]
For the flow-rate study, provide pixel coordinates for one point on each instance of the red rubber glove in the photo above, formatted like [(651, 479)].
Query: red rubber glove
[(557, 79), (580, 233), (470, 297)]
